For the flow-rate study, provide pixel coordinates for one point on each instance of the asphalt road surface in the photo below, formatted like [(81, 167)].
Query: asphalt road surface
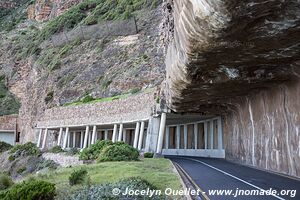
[(239, 182)]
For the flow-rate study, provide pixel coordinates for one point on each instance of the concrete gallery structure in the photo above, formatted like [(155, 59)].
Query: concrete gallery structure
[(138, 121)]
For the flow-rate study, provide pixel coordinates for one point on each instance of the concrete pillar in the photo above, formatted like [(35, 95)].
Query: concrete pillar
[(185, 136), (177, 136), (94, 135), (59, 137), (106, 135), (124, 135), (120, 133), (220, 134), (136, 135), (45, 139), (167, 137), (40, 138), (86, 136), (205, 135), (161, 133), (74, 140), (141, 137), (211, 134), (196, 136), (81, 139), (66, 138), (115, 133)]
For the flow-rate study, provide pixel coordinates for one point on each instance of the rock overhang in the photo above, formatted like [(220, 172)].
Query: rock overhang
[(224, 49)]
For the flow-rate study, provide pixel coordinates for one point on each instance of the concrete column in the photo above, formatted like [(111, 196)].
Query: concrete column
[(196, 136), (185, 136), (211, 134), (59, 137), (40, 138), (66, 138), (94, 134), (74, 140), (141, 137), (124, 135), (205, 135), (115, 133), (106, 135), (167, 137), (86, 136), (136, 135), (220, 134), (162, 128), (81, 139), (45, 139), (120, 133), (177, 136)]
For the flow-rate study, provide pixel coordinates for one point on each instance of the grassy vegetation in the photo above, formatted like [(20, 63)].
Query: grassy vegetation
[(107, 99), (8, 103), (158, 172), (91, 12), (11, 17)]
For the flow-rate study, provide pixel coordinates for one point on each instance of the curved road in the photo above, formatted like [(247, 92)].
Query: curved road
[(216, 177)]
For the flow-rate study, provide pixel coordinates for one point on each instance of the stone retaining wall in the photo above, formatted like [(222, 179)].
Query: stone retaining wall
[(134, 108), (9, 122)]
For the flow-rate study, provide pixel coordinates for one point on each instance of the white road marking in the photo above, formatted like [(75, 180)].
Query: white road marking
[(232, 176)]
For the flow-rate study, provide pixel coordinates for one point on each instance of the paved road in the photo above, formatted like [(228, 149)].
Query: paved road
[(218, 174)]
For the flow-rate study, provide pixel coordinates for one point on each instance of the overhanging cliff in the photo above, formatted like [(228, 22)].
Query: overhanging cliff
[(223, 49)]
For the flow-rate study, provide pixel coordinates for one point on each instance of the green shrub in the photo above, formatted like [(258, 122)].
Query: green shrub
[(87, 99), (118, 152), (104, 191), (11, 158), (148, 155), (49, 97), (4, 146), (5, 182), (92, 152), (21, 170), (31, 190), (26, 149), (72, 151), (50, 164), (56, 149), (78, 177)]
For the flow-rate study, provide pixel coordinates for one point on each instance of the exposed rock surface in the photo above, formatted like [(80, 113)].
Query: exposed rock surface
[(240, 59), (48, 9), (62, 159), (223, 49), (262, 129)]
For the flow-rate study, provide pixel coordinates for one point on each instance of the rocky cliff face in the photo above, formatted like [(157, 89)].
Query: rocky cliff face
[(49, 74), (43, 10), (240, 59), (262, 129), (227, 48)]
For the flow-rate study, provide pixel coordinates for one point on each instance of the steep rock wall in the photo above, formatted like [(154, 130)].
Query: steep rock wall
[(263, 129), (47, 9)]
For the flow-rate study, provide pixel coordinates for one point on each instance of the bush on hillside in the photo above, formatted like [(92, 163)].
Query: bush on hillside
[(4, 146), (5, 182), (78, 177), (118, 151), (27, 149), (72, 151), (56, 149), (32, 189), (148, 155), (104, 191), (92, 152)]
